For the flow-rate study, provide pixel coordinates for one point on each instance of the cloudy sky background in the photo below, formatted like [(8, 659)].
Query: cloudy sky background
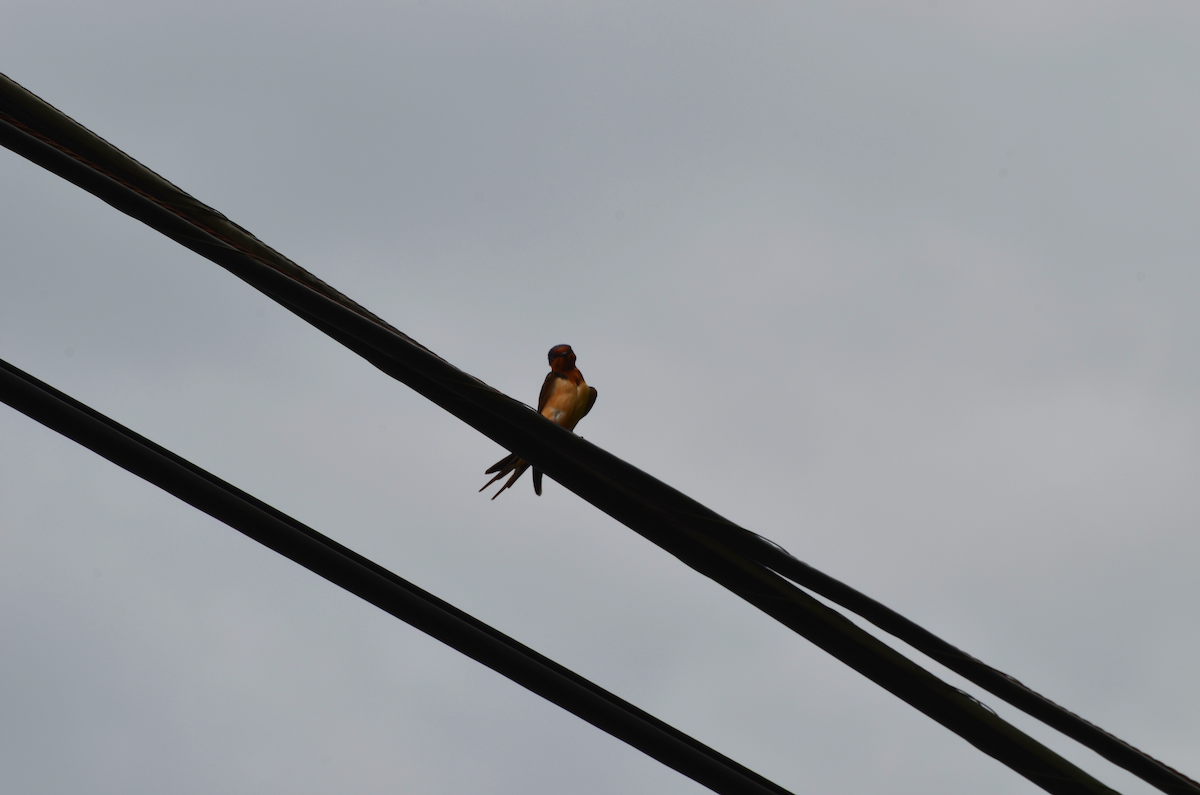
[(910, 288)]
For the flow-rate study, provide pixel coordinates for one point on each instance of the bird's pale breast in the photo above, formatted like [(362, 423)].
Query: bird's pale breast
[(566, 404)]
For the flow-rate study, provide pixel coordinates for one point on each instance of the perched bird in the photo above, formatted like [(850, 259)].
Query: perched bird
[(566, 399)]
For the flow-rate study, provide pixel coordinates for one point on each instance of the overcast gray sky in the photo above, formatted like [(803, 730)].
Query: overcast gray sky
[(909, 288)]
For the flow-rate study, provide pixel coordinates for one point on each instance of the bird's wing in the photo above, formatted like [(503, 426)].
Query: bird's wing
[(547, 389), (591, 401)]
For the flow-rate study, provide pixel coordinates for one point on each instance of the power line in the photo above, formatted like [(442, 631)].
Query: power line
[(739, 559), (375, 584)]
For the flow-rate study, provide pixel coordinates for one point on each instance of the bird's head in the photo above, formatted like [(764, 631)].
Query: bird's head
[(562, 358)]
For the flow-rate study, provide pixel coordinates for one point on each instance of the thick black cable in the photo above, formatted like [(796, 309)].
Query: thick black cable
[(690, 531), (974, 670), (651, 508), (377, 585)]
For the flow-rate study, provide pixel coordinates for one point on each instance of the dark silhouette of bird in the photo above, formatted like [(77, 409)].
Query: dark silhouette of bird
[(565, 400)]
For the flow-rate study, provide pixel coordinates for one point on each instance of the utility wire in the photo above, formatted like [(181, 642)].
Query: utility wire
[(696, 535), (377, 585)]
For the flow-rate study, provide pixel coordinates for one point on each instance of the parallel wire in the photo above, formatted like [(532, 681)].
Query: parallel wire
[(377, 585), (680, 525)]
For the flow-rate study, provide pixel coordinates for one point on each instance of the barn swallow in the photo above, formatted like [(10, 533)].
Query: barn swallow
[(565, 400)]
